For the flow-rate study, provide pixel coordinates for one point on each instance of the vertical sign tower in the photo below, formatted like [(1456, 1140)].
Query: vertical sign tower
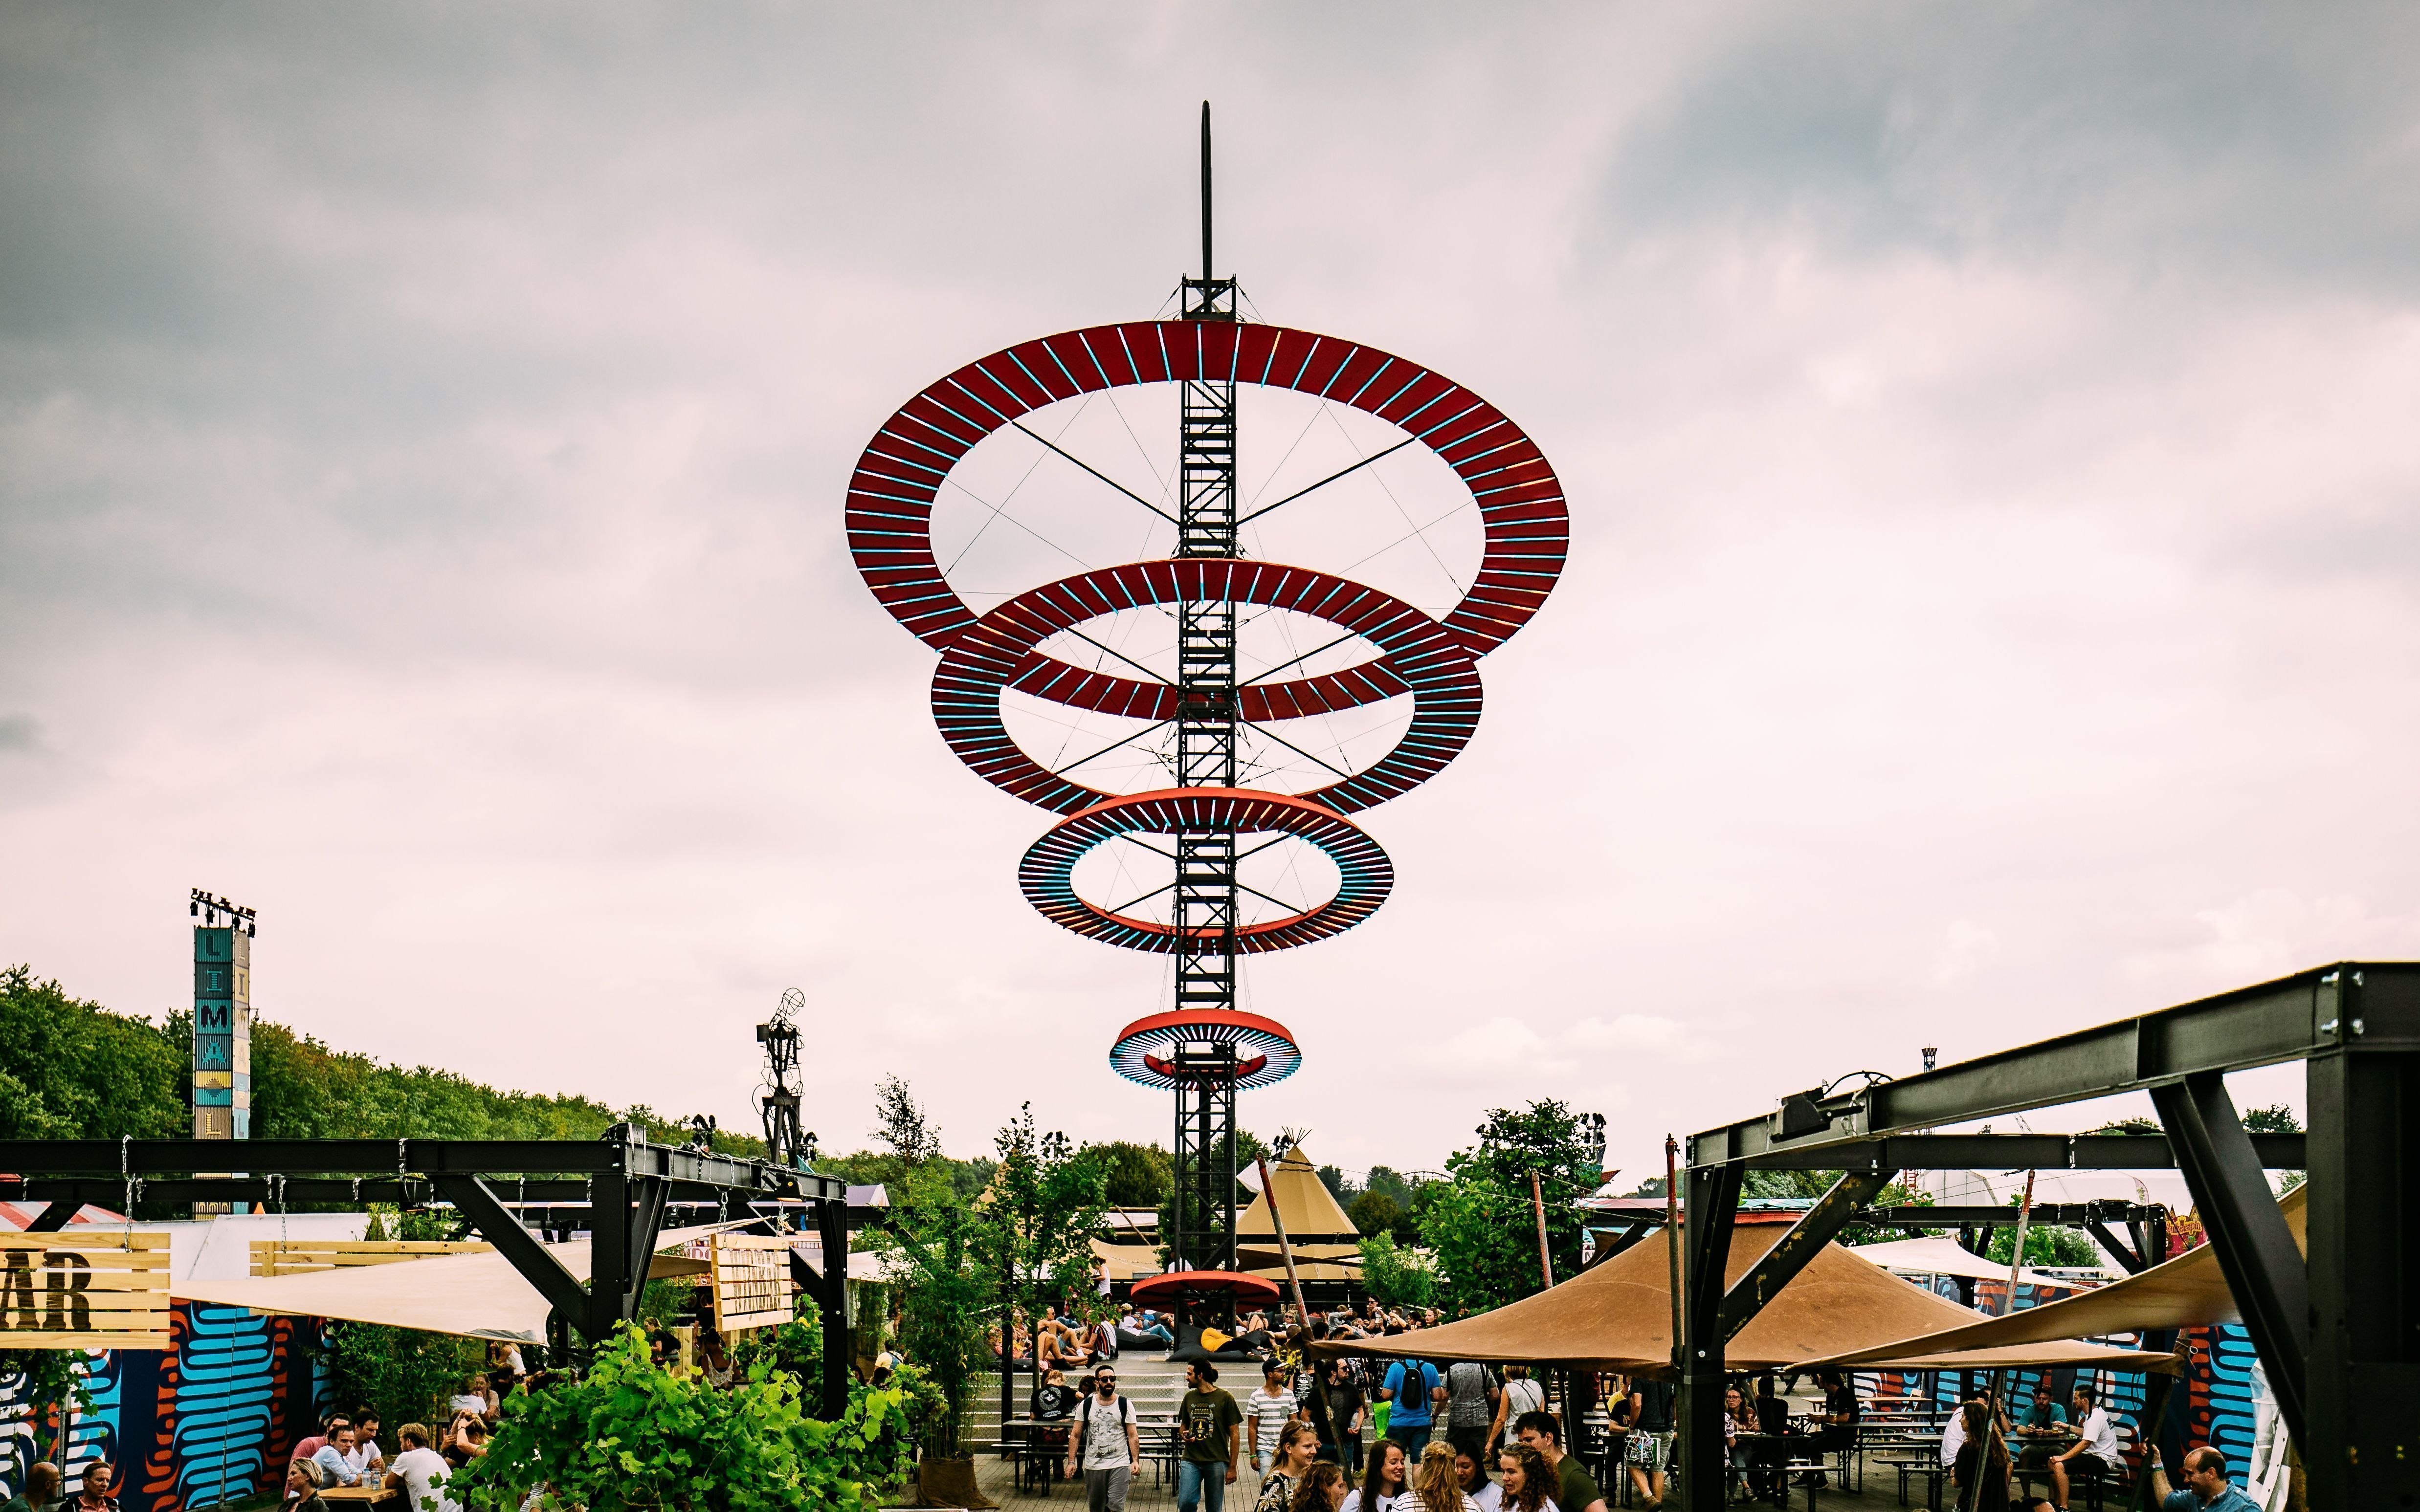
[(223, 936)]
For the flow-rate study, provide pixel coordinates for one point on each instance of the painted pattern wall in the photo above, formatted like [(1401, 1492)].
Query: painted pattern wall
[(213, 1419)]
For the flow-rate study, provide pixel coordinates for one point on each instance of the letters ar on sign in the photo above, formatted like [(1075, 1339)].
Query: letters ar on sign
[(94, 1291)]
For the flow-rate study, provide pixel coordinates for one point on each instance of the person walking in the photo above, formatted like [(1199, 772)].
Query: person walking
[(1346, 1411), (1266, 1411), (1211, 1426), (1413, 1388), (1473, 1396), (1105, 1444), (1520, 1393), (1650, 1449)]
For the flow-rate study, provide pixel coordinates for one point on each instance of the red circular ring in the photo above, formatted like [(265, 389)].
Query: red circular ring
[(1278, 1056), (1364, 875), (1521, 505), (982, 661)]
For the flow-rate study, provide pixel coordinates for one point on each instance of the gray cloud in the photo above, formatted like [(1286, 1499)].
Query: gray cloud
[(423, 431)]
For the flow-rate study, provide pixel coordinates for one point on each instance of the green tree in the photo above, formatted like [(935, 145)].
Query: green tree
[(1375, 1213), (2045, 1244), (1481, 1226), (75, 1070), (1332, 1177), (906, 1127), (1397, 1277), (1137, 1176), (1807, 1186)]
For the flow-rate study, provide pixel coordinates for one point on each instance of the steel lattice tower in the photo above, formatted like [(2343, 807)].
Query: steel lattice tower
[(1204, 1048)]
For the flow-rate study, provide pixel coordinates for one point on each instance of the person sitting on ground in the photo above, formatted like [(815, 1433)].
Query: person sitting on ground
[(319, 1440), (1321, 1488), (1575, 1488), (1148, 1325), (1297, 1446), (2044, 1429), (1529, 1480), (1435, 1487), (336, 1459), (1267, 1410), (366, 1454), (42, 1480), (2093, 1454), (303, 1477), (1477, 1484), (2207, 1488), (1102, 1337), (419, 1472), (1050, 1351), (1385, 1483)]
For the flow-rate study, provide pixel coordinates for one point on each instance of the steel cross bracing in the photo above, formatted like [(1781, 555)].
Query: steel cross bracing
[(1205, 896), (628, 1182), (2336, 1322)]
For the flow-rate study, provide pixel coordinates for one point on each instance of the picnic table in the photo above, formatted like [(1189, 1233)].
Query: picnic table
[(1040, 1459)]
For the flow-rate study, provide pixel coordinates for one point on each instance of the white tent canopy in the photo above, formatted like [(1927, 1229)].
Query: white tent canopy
[(1940, 1255), (477, 1296)]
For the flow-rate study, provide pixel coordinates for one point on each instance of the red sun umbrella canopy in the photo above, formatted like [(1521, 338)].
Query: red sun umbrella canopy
[(1169, 1284)]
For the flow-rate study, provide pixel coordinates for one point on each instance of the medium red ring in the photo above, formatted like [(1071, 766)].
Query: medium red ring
[(983, 660)]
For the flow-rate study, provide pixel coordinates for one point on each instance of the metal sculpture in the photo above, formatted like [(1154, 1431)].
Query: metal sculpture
[(1203, 1049)]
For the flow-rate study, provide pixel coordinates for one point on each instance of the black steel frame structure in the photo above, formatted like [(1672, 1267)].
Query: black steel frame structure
[(2337, 1331), (625, 1182), (1205, 905)]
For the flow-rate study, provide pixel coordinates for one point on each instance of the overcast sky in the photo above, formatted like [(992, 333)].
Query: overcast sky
[(1993, 604)]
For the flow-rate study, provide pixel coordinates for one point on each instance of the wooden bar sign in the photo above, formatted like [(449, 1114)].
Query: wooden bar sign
[(89, 1290), (751, 1283)]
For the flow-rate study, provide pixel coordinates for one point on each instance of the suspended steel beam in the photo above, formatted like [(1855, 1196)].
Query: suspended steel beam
[(1833, 1211), (2255, 1249), (2006, 1152), (2291, 1019)]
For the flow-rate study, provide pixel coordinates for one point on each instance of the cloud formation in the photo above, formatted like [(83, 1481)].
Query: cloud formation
[(1995, 601)]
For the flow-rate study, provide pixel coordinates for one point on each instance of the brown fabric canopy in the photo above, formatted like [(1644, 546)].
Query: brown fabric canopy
[(2180, 1294), (1618, 1316)]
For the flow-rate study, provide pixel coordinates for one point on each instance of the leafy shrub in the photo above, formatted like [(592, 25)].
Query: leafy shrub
[(634, 1437)]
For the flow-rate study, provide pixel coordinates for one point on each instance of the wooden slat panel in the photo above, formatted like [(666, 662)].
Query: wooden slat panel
[(130, 1340), (85, 1237)]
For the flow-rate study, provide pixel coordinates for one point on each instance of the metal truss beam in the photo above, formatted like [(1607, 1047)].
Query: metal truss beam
[(2009, 1152), (2255, 1249), (29, 1159), (2295, 1018), (1821, 1223), (1710, 1198)]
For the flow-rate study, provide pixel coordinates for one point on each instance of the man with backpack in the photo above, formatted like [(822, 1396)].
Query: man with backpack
[(1105, 1444), (1472, 1394), (1413, 1388)]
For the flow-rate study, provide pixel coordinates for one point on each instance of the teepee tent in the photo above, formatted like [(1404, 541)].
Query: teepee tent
[(1327, 1247)]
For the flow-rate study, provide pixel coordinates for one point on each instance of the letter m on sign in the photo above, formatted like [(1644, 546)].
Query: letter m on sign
[(208, 1017)]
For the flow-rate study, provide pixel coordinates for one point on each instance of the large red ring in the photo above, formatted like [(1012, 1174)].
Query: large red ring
[(983, 660), (1527, 525), (1364, 875)]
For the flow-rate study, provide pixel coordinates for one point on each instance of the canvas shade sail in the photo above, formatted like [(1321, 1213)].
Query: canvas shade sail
[(1618, 1316), (476, 1296), (2184, 1292)]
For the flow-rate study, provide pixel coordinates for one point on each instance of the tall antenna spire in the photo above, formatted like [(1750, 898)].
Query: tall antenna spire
[(1209, 296), (1205, 192)]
